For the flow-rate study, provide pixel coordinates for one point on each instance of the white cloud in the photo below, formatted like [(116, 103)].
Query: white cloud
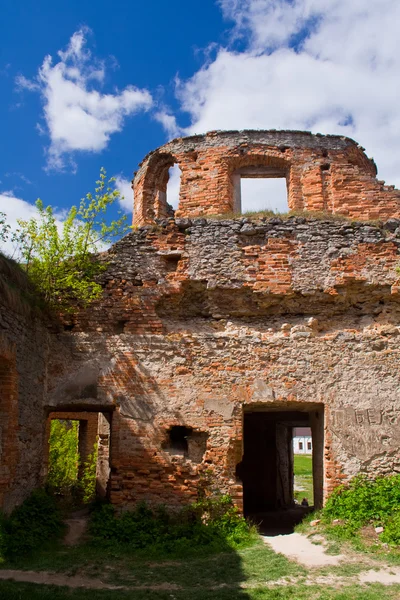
[(169, 123), (22, 83), (124, 187), (173, 186), (78, 116), (329, 66), (264, 194), (14, 208)]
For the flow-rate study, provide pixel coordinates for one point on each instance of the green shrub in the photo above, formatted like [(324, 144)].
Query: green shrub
[(213, 523), (391, 532), (2, 538), (64, 463), (31, 524), (364, 501)]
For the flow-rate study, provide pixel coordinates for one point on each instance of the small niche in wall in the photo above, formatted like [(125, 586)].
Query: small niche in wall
[(183, 441), (120, 326), (177, 442), (171, 261)]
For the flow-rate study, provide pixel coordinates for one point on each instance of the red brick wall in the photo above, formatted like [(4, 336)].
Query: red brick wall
[(8, 423)]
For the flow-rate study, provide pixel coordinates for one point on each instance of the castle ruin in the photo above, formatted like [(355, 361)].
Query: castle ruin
[(215, 336)]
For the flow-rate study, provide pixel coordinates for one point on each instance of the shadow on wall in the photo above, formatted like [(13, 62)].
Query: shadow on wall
[(156, 451)]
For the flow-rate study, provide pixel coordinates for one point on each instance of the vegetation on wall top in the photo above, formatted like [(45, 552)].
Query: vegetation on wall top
[(60, 257)]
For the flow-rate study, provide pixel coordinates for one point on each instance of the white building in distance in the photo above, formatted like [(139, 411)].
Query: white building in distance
[(302, 440)]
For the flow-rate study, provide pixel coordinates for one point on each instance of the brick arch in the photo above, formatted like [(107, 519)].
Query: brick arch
[(151, 190)]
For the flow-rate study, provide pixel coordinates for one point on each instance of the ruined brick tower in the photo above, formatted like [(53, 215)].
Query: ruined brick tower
[(215, 337), (323, 173)]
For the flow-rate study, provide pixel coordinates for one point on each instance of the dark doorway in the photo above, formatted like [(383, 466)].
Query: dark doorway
[(267, 468)]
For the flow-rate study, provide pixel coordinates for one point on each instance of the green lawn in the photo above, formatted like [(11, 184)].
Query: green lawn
[(258, 563), (303, 477), (24, 591), (245, 574)]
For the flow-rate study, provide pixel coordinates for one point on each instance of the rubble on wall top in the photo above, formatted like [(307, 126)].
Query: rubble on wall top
[(216, 134)]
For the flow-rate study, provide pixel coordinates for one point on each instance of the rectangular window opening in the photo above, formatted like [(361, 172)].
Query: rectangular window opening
[(259, 189)]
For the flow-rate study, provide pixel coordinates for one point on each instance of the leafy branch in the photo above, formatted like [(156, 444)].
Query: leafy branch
[(60, 257)]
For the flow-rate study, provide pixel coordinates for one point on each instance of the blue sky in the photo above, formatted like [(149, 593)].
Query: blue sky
[(125, 77), (142, 44)]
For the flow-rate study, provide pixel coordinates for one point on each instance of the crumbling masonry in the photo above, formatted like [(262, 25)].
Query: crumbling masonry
[(215, 336)]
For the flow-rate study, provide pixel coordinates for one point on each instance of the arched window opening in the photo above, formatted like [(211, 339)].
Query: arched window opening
[(260, 188), (167, 187)]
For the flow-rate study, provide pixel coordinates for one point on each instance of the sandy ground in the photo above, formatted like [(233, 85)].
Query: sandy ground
[(299, 548)]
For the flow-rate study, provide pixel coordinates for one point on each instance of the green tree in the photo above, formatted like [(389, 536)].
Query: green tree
[(88, 481), (60, 258), (63, 455)]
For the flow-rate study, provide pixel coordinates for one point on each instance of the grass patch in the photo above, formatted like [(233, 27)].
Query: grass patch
[(18, 591), (303, 478), (308, 215), (256, 564)]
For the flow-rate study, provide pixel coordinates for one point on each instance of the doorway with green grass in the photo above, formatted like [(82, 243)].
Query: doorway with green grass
[(279, 484)]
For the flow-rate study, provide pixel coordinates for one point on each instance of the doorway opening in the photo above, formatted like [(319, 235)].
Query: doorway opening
[(78, 455), (302, 466), (270, 489)]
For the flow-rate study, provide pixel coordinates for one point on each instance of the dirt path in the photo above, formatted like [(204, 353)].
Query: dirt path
[(299, 548), (77, 527), (386, 576), (75, 581), (43, 577)]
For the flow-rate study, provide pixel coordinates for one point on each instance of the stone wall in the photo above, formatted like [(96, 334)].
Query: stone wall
[(323, 173), (203, 320)]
